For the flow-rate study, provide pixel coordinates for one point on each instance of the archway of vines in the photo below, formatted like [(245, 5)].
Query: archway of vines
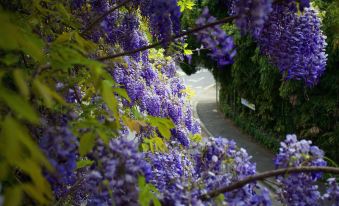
[(92, 111)]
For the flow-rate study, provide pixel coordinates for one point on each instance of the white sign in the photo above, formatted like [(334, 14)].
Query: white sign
[(247, 104)]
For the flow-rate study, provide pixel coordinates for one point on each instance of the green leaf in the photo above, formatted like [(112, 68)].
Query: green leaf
[(109, 98), (47, 94), (20, 82), (84, 163), (87, 142), (39, 189), (145, 147), (147, 193), (196, 137), (103, 136), (122, 92), (162, 124), (10, 59), (187, 51), (64, 37), (13, 196), (4, 170), (62, 11), (14, 133), (186, 5), (27, 158), (36, 193), (19, 105), (15, 37)]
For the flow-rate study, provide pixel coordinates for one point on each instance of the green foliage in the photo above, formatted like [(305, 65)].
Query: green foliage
[(147, 194), (84, 163), (282, 107), (19, 37), (19, 151), (154, 144), (162, 124), (31, 66), (87, 142), (186, 5)]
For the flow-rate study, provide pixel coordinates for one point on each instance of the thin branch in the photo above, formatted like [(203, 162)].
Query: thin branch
[(267, 174), (77, 96), (127, 53), (70, 191), (100, 18)]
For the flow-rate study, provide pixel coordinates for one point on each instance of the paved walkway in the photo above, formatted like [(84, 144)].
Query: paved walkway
[(216, 124)]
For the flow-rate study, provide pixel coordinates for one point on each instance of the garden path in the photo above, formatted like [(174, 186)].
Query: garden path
[(214, 123)]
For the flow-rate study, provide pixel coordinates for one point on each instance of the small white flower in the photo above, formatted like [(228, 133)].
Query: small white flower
[(214, 158)]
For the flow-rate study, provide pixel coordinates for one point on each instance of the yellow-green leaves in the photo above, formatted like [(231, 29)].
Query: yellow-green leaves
[(187, 51), (109, 98), (15, 136), (9, 59), (122, 92), (21, 83), (13, 196), (79, 42), (189, 92), (133, 125), (17, 37), (162, 124), (196, 137), (84, 163), (19, 151), (147, 193), (154, 144), (87, 142), (47, 94), (186, 5), (19, 105)]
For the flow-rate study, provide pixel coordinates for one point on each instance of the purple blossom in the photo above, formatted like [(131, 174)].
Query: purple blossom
[(60, 147), (164, 17), (332, 192), (299, 189), (252, 15), (295, 44), (116, 169), (171, 174), (216, 40)]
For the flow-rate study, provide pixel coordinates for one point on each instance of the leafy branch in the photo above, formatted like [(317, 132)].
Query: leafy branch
[(264, 175)]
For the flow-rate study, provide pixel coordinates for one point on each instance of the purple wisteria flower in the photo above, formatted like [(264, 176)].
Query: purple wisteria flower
[(171, 175), (60, 146), (215, 39), (332, 192), (219, 162), (301, 188), (295, 44), (164, 17), (114, 175), (251, 15)]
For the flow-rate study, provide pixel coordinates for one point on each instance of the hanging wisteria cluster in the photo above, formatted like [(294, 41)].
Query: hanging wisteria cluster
[(152, 132), (216, 40), (293, 42)]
